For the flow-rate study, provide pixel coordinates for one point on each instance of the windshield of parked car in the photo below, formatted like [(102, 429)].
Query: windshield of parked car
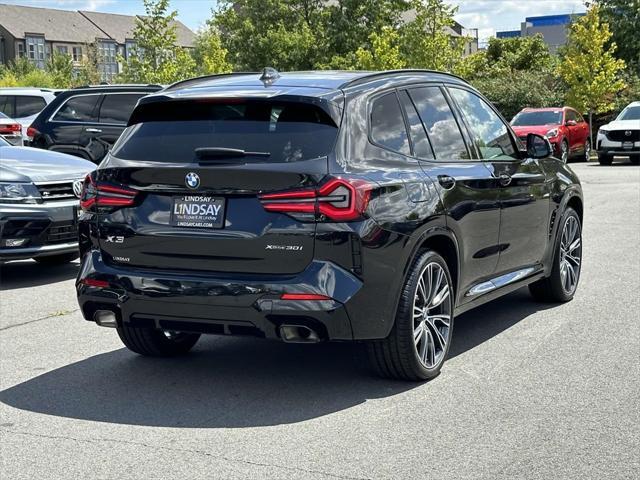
[(630, 113), (2, 115), (547, 117), (181, 131)]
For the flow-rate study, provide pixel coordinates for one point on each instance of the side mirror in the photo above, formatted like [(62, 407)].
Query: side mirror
[(538, 146), (570, 123)]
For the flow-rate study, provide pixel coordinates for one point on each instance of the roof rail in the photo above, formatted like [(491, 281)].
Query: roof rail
[(196, 80), (116, 85), (373, 75)]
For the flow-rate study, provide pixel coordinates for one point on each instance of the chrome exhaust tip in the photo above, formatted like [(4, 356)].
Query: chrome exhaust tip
[(105, 318), (298, 334)]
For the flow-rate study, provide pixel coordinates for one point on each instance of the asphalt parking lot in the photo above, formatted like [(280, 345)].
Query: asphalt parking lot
[(529, 390)]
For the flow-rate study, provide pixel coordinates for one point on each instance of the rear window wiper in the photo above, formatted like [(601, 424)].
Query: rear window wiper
[(215, 153)]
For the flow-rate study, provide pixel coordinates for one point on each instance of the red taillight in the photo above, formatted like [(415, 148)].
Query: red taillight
[(339, 199), (92, 282), (105, 195), (31, 132), (10, 128), (303, 296)]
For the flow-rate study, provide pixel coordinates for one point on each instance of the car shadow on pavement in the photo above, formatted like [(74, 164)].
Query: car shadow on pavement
[(234, 382), (27, 274)]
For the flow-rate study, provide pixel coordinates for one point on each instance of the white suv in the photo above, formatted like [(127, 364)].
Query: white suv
[(621, 137), (24, 104)]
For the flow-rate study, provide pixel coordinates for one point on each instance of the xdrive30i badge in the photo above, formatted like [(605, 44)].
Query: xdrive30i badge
[(192, 180)]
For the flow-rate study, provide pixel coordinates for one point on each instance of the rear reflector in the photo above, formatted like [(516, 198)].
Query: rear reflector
[(303, 296), (92, 282)]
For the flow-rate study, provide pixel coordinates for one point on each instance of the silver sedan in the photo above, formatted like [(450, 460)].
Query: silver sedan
[(39, 204)]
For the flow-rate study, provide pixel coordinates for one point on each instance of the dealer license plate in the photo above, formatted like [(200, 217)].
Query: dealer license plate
[(197, 211)]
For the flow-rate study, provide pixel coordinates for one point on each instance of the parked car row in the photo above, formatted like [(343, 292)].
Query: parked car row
[(85, 122)]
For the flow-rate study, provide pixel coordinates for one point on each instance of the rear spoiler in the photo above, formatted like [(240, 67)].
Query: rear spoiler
[(331, 103)]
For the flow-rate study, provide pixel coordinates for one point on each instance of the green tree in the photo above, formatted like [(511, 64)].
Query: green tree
[(508, 55), (384, 53), (157, 57), (60, 68), (87, 73), (427, 41), (209, 54), (277, 33), (623, 16), (589, 67), (513, 91), (346, 26), (302, 34)]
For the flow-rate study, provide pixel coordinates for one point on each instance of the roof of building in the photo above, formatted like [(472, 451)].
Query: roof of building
[(55, 25), (120, 27), (76, 26), (549, 20)]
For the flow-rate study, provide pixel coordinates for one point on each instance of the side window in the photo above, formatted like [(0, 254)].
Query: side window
[(6, 105), (489, 132), (579, 117), (387, 124), (117, 108), (78, 109), (27, 106), (419, 140), (444, 133)]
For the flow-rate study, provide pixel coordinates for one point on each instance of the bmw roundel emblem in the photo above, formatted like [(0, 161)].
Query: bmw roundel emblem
[(192, 180)]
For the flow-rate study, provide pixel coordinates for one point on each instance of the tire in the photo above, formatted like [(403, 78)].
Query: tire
[(410, 351), (555, 287), (635, 159), (60, 259), (564, 151), (154, 342), (605, 159)]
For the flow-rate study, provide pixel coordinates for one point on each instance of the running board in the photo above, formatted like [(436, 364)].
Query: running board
[(499, 282)]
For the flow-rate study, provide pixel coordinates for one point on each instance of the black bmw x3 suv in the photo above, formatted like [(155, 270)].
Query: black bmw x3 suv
[(322, 206)]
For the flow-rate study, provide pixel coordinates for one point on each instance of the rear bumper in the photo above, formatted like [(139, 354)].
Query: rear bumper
[(220, 304)]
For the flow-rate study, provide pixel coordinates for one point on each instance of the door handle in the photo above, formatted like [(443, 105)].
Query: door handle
[(94, 130), (446, 181), (504, 179)]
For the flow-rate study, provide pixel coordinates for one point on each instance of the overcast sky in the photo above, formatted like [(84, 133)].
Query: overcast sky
[(488, 16)]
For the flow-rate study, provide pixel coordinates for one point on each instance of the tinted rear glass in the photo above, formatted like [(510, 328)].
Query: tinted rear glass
[(78, 109), (440, 123), (28, 105), (172, 131), (537, 118), (117, 107), (6, 105), (387, 124)]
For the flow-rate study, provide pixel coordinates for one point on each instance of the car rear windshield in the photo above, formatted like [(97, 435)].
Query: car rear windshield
[(279, 131), (630, 113), (537, 118)]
